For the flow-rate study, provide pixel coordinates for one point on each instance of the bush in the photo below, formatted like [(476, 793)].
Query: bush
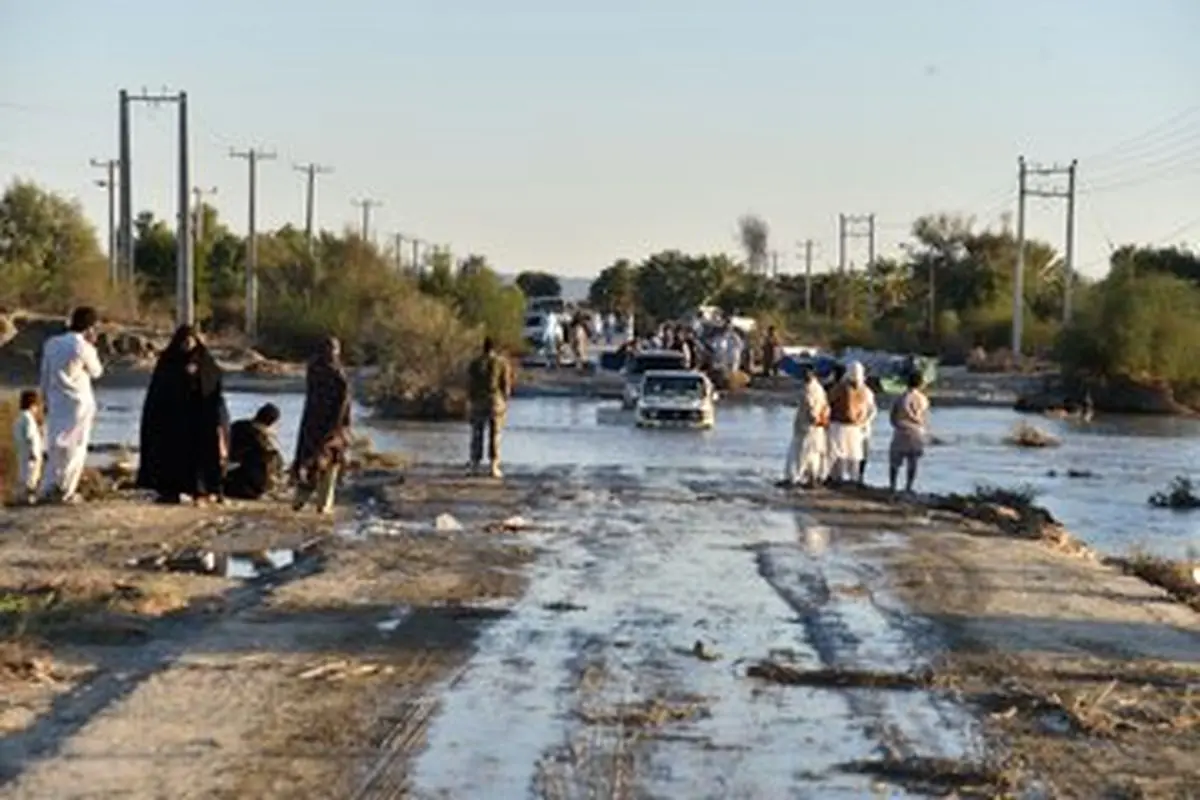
[(1139, 328)]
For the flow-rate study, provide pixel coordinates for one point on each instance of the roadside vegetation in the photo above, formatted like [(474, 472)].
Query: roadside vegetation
[(949, 294)]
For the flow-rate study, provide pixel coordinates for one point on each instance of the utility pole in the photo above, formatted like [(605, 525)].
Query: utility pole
[(198, 219), (775, 263), (110, 183), (399, 246), (1024, 171), (252, 156), (125, 224), (366, 204), (851, 226), (1069, 246), (185, 278), (416, 254), (310, 194), (808, 254)]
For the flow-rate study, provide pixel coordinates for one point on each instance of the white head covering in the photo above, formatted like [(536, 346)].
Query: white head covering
[(855, 374)]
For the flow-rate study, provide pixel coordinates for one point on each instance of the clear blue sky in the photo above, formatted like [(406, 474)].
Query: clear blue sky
[(562, 135)]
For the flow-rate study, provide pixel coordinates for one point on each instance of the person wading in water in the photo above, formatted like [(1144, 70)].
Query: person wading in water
[(490, 386), (324, 429), (184, 419)]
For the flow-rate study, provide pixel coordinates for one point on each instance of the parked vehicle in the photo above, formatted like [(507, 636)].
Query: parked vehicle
[(676, 399), (647, 361)]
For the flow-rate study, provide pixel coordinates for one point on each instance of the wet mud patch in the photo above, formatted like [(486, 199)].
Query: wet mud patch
[(655, 712), (939, 777), (832, 678)]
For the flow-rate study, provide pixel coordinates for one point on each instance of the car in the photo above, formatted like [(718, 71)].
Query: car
[(676, 399), (641, 363)]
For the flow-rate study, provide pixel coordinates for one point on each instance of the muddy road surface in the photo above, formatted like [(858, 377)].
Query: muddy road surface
[(624, 669)]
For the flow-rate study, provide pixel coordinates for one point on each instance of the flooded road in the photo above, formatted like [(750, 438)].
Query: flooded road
[(622, 671), (1130, 457)]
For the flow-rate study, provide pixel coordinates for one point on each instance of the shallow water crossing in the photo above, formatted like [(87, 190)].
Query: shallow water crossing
[(623, 670)]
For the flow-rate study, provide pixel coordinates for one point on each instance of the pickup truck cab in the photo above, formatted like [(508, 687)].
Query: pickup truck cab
[(676, 399), (640, 363)]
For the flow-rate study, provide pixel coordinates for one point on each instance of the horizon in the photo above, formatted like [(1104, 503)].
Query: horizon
[(550, 140)]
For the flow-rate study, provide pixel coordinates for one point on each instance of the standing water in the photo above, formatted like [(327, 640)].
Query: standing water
[(1130, 457)]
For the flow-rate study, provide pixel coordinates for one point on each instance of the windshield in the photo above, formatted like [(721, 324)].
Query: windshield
[(682, 386), (650, 363)]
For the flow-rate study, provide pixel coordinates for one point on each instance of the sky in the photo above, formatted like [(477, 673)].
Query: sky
[(565, 134)]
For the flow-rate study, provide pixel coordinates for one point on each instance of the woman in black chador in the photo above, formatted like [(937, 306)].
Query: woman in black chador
[(183, 440)]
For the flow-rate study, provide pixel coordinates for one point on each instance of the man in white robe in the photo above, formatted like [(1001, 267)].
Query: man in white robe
[(69, 365), (806, 456)]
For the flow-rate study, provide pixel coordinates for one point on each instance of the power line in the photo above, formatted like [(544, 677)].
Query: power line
[(1152, 135)]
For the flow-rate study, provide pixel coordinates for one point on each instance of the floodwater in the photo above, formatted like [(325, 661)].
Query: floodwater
[(1130, 457), (643, 565)]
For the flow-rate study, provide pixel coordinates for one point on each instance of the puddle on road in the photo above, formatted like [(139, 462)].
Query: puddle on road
[(662, 598), (238, 565)]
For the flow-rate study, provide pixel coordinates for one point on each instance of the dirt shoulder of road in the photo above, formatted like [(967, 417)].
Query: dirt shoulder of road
[(122, 673), (1087, 678)]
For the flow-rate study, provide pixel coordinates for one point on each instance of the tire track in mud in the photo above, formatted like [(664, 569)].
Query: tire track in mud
[(649, 563), (841, 603)]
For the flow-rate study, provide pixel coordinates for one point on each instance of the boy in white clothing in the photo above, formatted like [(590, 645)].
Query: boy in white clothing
[(30, 446)]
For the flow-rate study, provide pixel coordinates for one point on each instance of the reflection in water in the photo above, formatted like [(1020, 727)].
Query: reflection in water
[(1131, 457)]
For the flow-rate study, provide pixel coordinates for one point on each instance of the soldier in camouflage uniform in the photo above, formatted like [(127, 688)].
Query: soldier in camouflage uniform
[(490, 386)]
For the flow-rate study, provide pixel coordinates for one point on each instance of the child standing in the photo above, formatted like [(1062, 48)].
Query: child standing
[(30, 445)]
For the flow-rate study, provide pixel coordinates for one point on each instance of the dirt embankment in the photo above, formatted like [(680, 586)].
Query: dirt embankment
[(239, 651), (1085, 676)]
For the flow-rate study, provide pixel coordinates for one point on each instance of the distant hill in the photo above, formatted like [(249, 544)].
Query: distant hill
[(573, 288)]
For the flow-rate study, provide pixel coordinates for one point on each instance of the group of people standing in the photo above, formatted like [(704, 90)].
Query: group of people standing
[(831, 431), (188, 446)]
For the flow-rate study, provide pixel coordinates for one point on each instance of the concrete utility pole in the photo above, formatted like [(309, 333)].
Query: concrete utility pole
[(850, 226), (398, 238), (252, 157), (808, 254), (110, 183), (775, 263), (366, 204), (185, 278), (310, 194), (198, 218), (416, 254), (1024, 171)]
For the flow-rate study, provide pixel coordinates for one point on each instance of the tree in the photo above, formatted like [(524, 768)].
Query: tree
[(49, 254), (539, 284), (754, 235), (615, 289), (671, 284), (1176, 261)]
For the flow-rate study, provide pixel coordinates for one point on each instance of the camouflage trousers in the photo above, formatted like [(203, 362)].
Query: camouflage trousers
[(488, 423)]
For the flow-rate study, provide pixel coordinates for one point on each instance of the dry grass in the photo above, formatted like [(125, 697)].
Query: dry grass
[(941, 777), (1179, 577), (83, 607), (1026, 435)]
